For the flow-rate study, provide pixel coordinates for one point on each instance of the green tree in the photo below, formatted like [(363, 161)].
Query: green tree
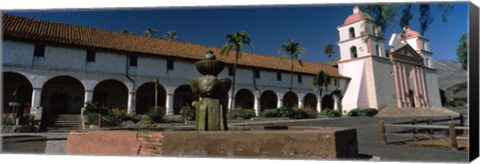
[(385, 15), (292, 50), (172, 35), (329, 50), (235, 42), (150, 32), (462, 50), (321, 80), (125, 30)]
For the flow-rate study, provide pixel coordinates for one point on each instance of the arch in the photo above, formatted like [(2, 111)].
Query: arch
[(268, 100), (182, 96), (112, 93), (16, 88), (353, 52), (310, 101), (245, 99), (145, 98), (290, 99), (351, 32), (62, 95), (327, 102)]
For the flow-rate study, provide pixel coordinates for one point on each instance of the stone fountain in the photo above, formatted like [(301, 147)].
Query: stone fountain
[(210, 112)]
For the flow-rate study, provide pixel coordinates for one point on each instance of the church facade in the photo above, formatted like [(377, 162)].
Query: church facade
[(399, 75), (53, 68)]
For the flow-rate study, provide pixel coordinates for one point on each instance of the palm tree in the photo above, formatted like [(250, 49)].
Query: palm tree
[(236, 41), (293, 50), (321, 80), (172, 35), (150, 32), (329, 50)]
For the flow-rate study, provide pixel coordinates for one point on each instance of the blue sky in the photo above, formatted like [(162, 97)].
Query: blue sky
[(269, 26)]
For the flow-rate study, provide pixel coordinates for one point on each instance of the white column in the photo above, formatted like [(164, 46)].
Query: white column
[(319, 105), (335, 103), (231, 103), (300, 103), (279, 102), (131, 103), (88, 96), (257, 106), (36, 97), (36, 109), (169, 103)]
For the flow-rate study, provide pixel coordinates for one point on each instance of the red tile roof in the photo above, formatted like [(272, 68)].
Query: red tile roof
[(15, 27), (357, 15)]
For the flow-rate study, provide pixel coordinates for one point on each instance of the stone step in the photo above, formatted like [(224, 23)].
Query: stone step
[(66, 122), (68, 117)]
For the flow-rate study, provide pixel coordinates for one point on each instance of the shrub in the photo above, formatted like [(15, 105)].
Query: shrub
[(330, 113), (27, 119), (187, 112), (285, 112), (91, 119), (294, 113), (96, 107), (303, 113), (155, 114), (7, 120), (268, 113), (367, 112), (144, 120), (128, 117), (116, 115), (240, 113)]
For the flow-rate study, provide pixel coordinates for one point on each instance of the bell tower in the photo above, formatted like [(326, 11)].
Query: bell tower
[(359, 37), (362, 58)]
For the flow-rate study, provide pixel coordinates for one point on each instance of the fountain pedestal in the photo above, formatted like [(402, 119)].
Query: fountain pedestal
[(210, 113)]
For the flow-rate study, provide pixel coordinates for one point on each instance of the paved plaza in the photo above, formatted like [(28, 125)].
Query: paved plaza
[(367, 133)]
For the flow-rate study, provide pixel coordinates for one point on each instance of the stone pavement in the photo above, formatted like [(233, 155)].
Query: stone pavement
[(50, 143), (367, 134)]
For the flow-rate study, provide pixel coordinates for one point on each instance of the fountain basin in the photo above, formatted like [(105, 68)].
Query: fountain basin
[(290, 142)]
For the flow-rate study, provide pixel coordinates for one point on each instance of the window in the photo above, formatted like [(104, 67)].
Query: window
[(39, 50), (91, 56), (427, 62), (230, 70), (299, 77), (377, 48), (279, 76), (133, 60), (425, 46), (353, 52), (335, 82), (170, 64), (256, 73), (373, 31), (352, 32)]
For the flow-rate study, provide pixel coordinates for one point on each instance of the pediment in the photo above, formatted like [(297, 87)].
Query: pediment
[(406, 52)]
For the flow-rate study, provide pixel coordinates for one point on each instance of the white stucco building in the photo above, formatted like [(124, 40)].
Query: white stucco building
[(56, 68), (400, 75)]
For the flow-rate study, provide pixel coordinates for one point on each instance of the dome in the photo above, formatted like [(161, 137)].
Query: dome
[(356, 16), (409, 33)]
